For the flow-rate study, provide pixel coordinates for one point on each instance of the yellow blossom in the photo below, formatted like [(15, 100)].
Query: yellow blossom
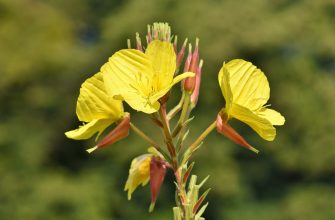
[(139, 173), (95, 108), (141, 79), (246, 91)]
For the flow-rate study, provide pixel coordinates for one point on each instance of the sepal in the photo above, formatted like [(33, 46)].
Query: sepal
[(118, 133), (157, 174), (224, 128)]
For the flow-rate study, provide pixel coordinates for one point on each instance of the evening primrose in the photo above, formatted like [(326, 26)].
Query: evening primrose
[(246, 91), (141, 79), (95, 109)]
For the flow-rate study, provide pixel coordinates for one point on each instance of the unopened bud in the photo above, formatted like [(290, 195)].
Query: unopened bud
[(181, 54), (192, 66), (224, 128), (189, 84), (195, 94), (128, 43), (149, 37), (161, 31), (188, 59), (118, 133), (138, 42), (157, 174), (195, 58)]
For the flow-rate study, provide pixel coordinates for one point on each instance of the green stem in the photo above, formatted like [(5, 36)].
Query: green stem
[(140, 133), (183, 117), (202, 136), (168, 137), (176, 109), (184, 109)]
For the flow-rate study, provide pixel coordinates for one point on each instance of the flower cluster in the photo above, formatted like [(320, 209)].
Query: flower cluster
[(143, 78)]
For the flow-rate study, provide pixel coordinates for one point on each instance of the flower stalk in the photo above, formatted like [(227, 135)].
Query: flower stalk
[(143, 77)]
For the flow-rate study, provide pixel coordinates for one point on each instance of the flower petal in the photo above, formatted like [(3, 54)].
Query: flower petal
[(142, 104), (163, 59), (249, 85), (176, 80), (88, 130), (94, 103), (271, 115), (128, 75), (139, 173), (224, 82), (261, 125)]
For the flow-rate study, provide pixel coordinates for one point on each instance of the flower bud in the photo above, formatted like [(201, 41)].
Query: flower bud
[(224, 128), (181, 54), (192, 66), (118, 133), (189, 84), (188, 59), (195, 94), (157, 174), (161, 31), (149, 37), (138, 42), (195, 58)]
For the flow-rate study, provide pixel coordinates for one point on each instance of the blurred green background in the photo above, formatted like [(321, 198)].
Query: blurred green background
[(48, 48)]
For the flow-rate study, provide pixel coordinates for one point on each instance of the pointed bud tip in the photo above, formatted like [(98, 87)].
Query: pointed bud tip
[(254, 150), (90, 150), (185, 42), (151, 207), (197, 42)]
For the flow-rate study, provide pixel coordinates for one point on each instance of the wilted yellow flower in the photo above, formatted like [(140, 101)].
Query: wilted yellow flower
[(139, 173), (141, 79), (95, 108), (246, 91)]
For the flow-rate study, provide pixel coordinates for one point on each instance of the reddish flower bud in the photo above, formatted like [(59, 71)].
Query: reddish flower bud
[(138, 42), (188, 59), (195, 58), (181, 54), (118, 133), (190, 82), (224, 128), (157, 174), (149, 37), (195, 94)]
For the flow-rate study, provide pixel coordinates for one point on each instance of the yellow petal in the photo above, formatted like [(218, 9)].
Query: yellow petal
[(176, 80), (94, 103), (88, 130), (249, 85), (139, 173), (261, 125), (271, 115), (128, 75), (224, 82), (163, 59)]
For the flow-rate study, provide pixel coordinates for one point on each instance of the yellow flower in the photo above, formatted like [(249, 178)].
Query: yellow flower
[(141, 79), (95, 108), (246, 91), (139, 173)]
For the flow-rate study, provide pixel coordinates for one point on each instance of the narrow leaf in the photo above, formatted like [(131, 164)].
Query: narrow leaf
[(201, 211), (201, 199), (188, 172)]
